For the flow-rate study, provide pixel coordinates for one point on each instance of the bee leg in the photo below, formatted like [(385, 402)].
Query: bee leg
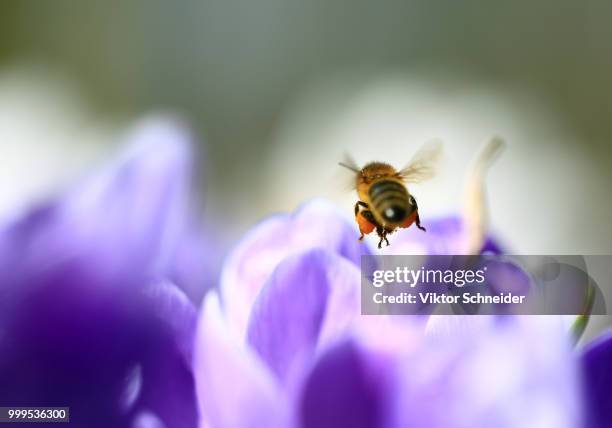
[(381, 234), (418, 223), (417, 219), (386, 232), (360, 204)]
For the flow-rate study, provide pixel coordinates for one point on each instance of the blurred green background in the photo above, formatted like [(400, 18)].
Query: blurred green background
[(234, 65), (248, 75)]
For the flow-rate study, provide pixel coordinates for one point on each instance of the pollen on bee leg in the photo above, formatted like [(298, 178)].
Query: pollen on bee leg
[(409, 220), (365, 226)]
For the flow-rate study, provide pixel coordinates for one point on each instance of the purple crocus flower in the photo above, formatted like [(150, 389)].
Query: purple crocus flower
[(597, 370), (92, 314), (284, 345)]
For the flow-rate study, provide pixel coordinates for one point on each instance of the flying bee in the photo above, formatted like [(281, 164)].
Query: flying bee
[(384, 201)]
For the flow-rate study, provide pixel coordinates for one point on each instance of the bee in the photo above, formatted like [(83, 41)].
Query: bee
[(385, 203)]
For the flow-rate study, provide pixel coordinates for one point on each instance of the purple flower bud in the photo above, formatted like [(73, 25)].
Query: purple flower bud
[(287, 346), (90, 315)]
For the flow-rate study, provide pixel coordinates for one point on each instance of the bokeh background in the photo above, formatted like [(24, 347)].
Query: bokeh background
[(277, 91)]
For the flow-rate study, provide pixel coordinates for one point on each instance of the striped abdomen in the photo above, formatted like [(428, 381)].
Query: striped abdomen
[(389, 200)]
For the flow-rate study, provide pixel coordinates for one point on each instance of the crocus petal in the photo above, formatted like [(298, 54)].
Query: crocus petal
[(505, 276), (171, 305), (235, 390), (315, 225), (309, 298), (139, 206), (347, 388), (168, 386), (81, 323), (597, 369), (196, 264), (492, 371), (73, 338), (132, 215)]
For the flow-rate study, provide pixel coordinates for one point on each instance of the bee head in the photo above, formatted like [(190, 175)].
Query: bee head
[(375, 171)]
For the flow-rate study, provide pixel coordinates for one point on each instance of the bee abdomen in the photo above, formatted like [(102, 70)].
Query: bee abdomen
[(390, 200)]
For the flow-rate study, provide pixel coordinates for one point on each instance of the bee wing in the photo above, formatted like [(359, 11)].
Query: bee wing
[(422, 166), (349, 163)]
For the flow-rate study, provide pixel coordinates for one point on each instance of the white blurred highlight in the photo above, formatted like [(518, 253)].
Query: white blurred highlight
[(47, 135), (476, 206)]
